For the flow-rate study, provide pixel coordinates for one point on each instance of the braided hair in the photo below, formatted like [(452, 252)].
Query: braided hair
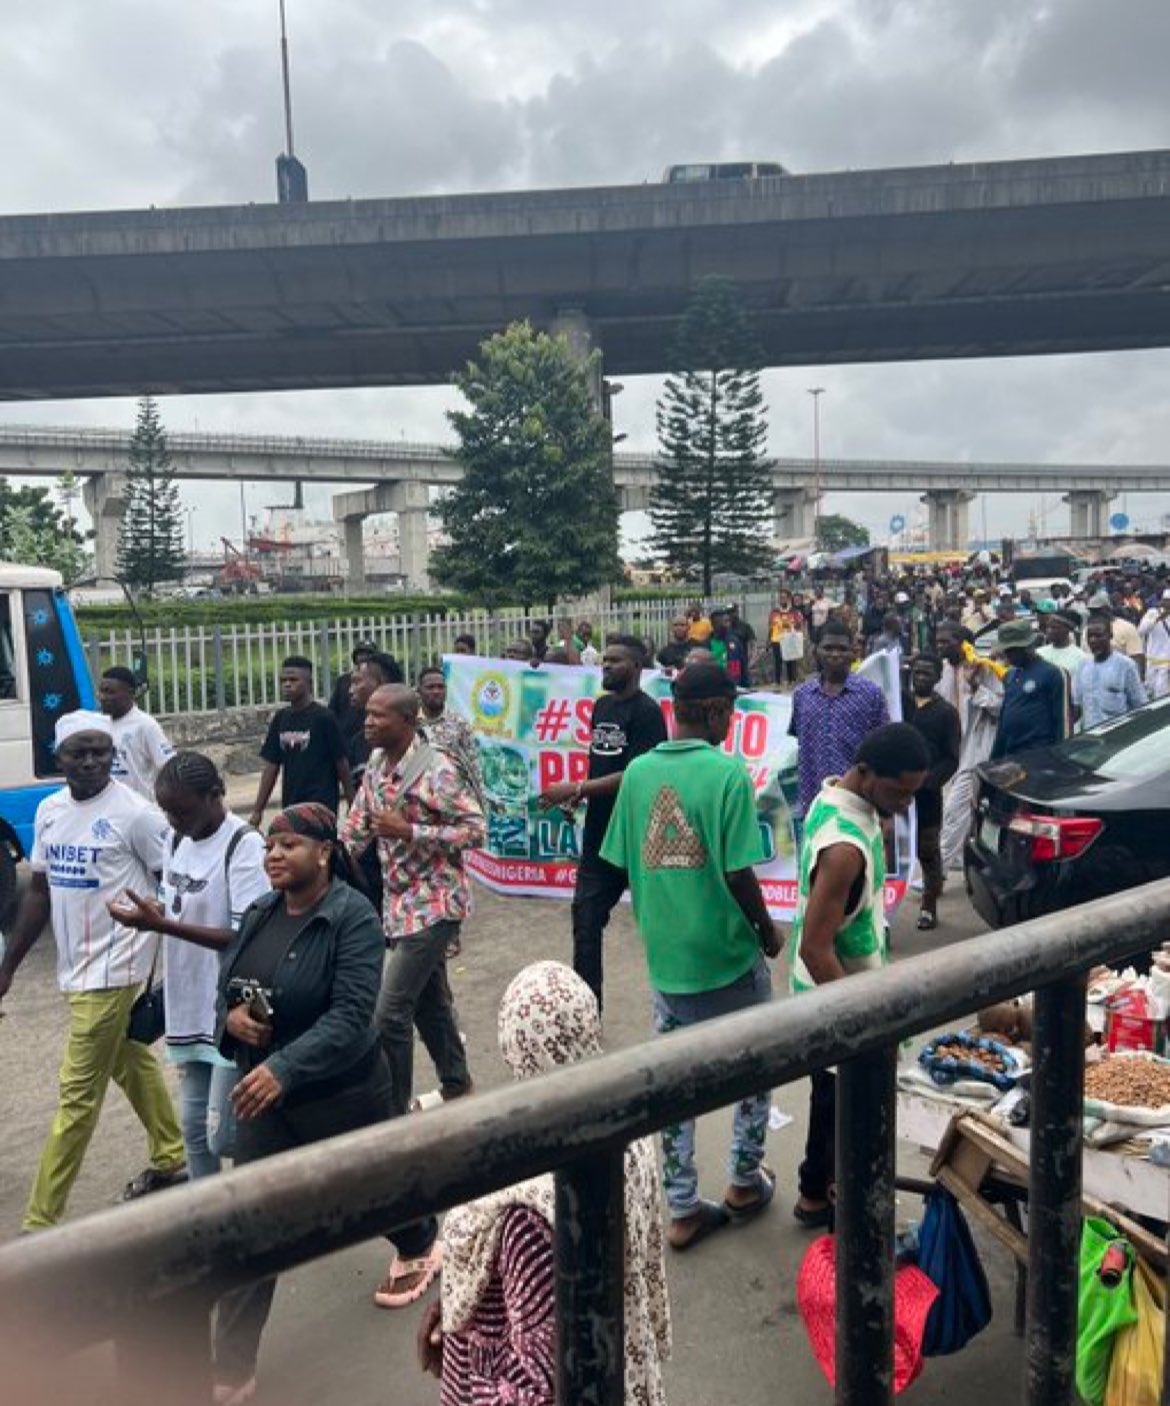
[(191, 771)]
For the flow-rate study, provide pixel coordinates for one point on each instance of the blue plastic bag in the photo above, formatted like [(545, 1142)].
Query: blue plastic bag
[(947, 1256)]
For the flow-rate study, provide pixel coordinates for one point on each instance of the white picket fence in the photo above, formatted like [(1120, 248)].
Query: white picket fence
[(206, 668)]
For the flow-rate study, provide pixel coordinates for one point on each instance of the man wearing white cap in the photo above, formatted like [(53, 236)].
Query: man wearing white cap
[(94, 839), (1155, 633)]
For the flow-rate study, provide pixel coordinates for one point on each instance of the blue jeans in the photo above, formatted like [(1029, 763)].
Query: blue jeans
[(673, 1011), (205, 1113)]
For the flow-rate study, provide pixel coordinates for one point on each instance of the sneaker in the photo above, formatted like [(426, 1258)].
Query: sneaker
[(152, 1180)]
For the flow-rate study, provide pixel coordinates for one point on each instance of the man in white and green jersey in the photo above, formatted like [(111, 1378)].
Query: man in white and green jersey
[(840, 923)]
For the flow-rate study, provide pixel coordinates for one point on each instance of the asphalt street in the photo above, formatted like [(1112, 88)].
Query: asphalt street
[(738, 1337)]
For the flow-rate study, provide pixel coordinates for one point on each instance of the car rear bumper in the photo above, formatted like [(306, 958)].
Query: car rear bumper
[(1002, 895)]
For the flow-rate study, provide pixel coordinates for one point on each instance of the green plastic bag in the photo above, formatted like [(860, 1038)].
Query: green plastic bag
[(1103, 1309)]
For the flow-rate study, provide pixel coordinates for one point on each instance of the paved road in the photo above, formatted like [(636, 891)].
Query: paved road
[(737, 1334)]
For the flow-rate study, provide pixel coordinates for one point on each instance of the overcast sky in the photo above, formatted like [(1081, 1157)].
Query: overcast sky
[(124, 103)]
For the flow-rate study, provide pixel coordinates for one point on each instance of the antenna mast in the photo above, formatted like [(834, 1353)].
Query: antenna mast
[(292, 180)]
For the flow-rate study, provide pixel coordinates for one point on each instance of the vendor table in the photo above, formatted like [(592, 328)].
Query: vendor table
[(1131, 1183)]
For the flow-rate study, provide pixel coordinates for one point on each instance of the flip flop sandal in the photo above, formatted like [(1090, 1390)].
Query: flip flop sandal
[(927, 922), (766, 1189), (426, 1267), (711, 1217)]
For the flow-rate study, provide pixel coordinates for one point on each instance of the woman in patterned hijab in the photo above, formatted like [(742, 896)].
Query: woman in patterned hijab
[(497, 1329)]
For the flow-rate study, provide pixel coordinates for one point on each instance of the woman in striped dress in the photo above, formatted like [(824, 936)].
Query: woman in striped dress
[(492, 1337)]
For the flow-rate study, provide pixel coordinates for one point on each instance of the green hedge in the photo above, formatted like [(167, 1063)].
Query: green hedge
[(262, 610)]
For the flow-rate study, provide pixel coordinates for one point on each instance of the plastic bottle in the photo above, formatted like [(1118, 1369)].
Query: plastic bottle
[(1114, 1263)]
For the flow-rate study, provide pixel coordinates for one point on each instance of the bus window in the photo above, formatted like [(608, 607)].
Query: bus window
[(53, 689), (9, 689)]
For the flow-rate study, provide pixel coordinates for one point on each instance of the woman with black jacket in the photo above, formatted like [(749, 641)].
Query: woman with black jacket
[(297, 990)]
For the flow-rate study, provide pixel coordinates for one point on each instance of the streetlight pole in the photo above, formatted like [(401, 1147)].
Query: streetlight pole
[(816, 392)]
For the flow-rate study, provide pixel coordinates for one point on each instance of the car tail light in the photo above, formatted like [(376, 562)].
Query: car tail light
[(1056, 836)]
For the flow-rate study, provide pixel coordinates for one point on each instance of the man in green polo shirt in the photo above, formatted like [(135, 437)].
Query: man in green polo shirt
[(685, 832)]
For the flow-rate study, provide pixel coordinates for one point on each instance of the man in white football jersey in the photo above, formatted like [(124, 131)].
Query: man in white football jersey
[(141, 747), (93, 840)]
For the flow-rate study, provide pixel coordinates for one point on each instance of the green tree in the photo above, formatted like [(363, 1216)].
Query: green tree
[(835, 533), (535, 516), (34, 532), (150, 545), (711, 505)]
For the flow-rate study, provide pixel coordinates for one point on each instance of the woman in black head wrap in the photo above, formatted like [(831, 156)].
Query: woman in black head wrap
[(297, 992)]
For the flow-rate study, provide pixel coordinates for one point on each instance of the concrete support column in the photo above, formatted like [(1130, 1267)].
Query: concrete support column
[(795, 513), (104, 496), (355, 555), (1087, 510), (410, 500), (949, 527), (414, 553), (581, 335)]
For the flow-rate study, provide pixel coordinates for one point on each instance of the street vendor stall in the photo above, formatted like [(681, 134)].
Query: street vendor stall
[(964, 1097)]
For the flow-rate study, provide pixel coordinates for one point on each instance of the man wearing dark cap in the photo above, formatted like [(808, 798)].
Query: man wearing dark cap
[(1035, 711), (1061, 648), (684, 831)]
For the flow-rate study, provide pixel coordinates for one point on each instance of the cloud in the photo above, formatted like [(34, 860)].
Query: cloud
[(130, 103)]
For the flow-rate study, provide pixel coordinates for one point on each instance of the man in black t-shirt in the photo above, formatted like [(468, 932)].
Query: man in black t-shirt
[(625, 723), (304, 747), (350, 717)]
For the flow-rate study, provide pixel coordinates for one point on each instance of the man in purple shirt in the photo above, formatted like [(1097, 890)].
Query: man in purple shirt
[(832, 714)]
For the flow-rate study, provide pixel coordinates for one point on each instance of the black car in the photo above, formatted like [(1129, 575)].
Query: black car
[(1064, 824)]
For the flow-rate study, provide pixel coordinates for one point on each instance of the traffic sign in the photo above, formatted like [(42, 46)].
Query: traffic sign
[(897, 523), (1119, 522)]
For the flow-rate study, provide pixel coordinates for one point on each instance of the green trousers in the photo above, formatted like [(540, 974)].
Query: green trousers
[(96, 1052)]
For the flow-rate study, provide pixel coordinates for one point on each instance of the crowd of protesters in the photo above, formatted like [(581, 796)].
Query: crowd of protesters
[(299, 964)]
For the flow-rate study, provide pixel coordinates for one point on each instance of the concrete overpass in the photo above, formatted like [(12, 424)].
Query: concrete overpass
[(988, 259), (403, 473)]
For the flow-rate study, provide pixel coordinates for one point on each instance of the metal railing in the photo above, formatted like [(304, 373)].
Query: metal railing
[(206, 668), (147, 1275)]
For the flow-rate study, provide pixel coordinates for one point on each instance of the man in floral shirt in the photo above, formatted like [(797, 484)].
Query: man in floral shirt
[(423, 814)]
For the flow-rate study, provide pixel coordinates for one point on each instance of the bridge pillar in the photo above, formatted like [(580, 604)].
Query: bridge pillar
[(410, 501), (581, 335), (355, 554), (795, 513), (949, 525), (414, 553), (1087, 509), (104, 496)]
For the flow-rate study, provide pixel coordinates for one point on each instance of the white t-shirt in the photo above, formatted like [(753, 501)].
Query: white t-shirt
[(91, 851), (198, 889), (1069, 658), (140, 749)]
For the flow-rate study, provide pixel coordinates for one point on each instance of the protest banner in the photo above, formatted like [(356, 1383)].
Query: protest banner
[(532, 729)]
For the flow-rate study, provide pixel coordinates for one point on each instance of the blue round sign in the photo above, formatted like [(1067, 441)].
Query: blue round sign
[(897, 523), (1119, 522)]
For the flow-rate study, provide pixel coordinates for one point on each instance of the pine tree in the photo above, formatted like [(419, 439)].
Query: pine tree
[(535, 516), (150, 545), (711, 505)]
